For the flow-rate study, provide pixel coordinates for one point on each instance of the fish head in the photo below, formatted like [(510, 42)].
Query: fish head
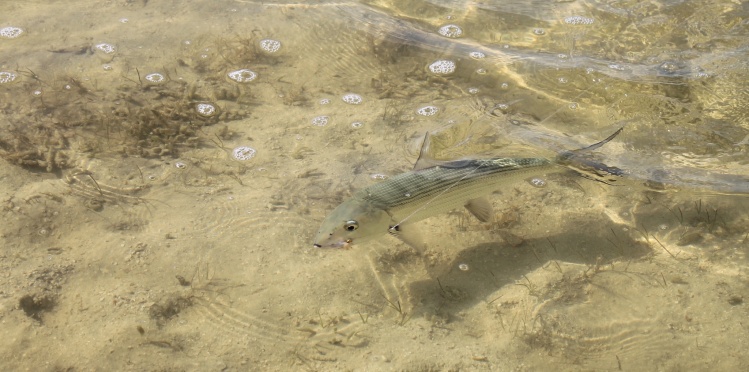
[(352, 221)]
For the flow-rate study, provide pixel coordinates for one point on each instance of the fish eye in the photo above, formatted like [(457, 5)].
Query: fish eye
[(351, 225)]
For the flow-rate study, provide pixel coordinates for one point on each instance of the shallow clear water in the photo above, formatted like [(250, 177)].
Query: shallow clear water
[(166, 166)]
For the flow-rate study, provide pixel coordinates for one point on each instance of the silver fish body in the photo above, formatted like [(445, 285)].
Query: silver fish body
[(391, 206), (419, 194)]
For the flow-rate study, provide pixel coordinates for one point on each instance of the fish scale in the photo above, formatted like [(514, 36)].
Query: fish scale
[(393, 205), (420, 194)]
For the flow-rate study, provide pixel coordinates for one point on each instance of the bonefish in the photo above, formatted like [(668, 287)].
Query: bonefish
[(435, 187)]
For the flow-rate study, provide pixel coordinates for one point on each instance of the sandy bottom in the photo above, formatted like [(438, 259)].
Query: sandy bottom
[(126, 248)]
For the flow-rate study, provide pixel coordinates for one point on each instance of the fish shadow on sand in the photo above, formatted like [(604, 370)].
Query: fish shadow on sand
[(478, 272)]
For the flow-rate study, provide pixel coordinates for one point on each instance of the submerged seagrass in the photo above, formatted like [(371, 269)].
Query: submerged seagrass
[(435, 187)]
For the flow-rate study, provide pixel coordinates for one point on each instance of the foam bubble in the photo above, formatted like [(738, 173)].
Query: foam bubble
[(428, 110), (578, 20), (357, 124), (442, 67), (537, 182), (451, 31), (205, 109), (473, 90), (320, 121), (10, 32), (325, 101), (463, 267), (242, 76), (539, 31), (104, 51), (270, 45), (105, 48), (352, 99), (378, 176), (180, 165), (7, 77), (155, 78), (243, 153), (477, 55)]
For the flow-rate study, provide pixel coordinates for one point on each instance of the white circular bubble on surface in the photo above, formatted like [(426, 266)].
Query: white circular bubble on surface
[(477, 55), (270, 45), (10, 32), (428, 111), (320, 121), (538, 182), (7, 77), (473, 90), (242, 76), (243, 153), (442, 67), (578, 20), (155, 78), (617, 67), (463, 267), (105, 48), (378, 176), (352, 99), (357, 124), (205, 109), (451, 31), (325, 101)]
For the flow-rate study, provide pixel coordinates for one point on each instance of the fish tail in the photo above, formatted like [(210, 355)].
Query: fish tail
[(577, 161)]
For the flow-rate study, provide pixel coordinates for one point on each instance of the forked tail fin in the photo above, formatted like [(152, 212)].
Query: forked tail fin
[(576, 160)]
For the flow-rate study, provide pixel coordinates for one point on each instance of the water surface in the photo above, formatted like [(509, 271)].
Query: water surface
[(166, 165)]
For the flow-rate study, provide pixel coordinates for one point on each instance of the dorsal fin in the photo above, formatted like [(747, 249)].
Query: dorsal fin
[(425, 160)]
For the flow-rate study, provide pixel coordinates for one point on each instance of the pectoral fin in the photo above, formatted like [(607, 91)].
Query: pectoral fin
[(480, 208), (410, 235)]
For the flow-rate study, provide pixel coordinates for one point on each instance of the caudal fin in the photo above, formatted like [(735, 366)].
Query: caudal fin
[(578, 162)]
